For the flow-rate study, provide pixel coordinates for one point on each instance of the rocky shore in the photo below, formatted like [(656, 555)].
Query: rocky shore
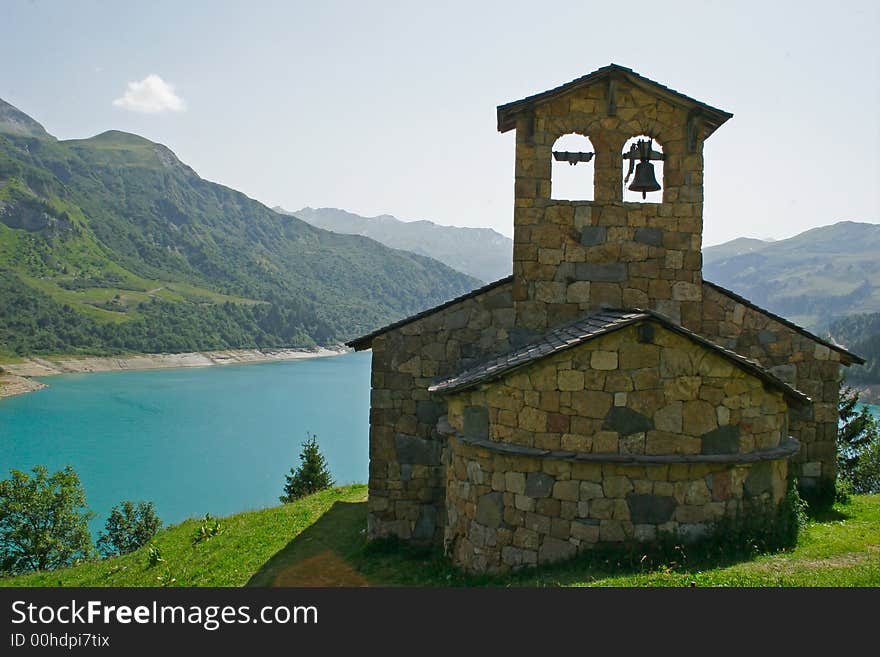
[(16, 378)]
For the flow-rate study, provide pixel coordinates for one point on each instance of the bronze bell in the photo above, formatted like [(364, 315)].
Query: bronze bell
[(644, 180)]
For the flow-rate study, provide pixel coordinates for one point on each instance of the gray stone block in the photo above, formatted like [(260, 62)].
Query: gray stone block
[(650, 509), (612, 272), (626, 421), (565, 272), (429, 411), (416, 451), (476, 422), (723, 440), (593, 235), (650, 236), (490, 509), (760, 479), (539, 484)]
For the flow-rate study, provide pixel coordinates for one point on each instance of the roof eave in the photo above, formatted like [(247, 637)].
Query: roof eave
[(508, 113), (846, 357)]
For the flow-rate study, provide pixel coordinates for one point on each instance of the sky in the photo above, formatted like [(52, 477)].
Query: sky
[(389, 107)]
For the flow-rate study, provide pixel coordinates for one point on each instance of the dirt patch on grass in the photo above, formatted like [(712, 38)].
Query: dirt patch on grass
[(324, 569)]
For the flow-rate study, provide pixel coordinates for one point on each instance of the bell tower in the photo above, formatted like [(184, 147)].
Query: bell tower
[(571, 257)]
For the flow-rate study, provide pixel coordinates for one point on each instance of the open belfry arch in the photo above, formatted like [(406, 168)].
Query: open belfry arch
[(604, 393)]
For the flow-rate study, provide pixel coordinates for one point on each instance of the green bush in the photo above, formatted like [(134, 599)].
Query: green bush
[(43, 520), (312, 474), (129, 527)]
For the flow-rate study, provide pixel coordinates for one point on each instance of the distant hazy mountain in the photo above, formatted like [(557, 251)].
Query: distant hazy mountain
[(739, 246), (811, 278), (480, 252)]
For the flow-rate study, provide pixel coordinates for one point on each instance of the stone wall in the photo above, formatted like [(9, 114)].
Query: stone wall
[(630, 434), (797, 359), (575, 256), (509, 511), (407, 477)]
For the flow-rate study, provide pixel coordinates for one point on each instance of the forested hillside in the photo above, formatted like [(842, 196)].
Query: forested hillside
[(112, 244), (862, 332)]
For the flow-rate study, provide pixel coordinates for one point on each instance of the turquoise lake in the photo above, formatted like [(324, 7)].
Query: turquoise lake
[(205, 440)]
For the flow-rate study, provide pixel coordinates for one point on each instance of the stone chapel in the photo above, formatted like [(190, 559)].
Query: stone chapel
[(604, 393)]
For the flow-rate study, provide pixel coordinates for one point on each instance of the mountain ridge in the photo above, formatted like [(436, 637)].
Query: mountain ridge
[(811, 278), (479, 252)]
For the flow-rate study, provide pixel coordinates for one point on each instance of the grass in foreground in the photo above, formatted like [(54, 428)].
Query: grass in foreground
[(246, 542), (320, 541)]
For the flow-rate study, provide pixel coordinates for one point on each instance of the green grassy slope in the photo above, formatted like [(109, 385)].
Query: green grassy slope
[(320, 540), (110, 224)]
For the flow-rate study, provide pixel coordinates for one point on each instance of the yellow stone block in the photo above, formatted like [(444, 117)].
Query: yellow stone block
[(603, 360), (571, 380)]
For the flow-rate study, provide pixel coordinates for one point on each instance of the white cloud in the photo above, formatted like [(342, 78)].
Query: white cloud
[(152, 95)]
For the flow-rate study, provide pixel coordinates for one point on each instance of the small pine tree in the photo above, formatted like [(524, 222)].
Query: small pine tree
[(858, 444), (312, 474)]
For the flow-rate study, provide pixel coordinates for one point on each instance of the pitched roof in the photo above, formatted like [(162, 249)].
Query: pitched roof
[(366, 341), (588, 328), (712, 116), (853, 358)]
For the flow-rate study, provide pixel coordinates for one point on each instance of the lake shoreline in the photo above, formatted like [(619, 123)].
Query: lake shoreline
[(18, 378)]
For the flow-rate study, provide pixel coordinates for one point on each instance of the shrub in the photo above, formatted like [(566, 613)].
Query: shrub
[(312, 474), (758, 528), (129, 527), (43, 520), (154, 555), (209, 528)]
